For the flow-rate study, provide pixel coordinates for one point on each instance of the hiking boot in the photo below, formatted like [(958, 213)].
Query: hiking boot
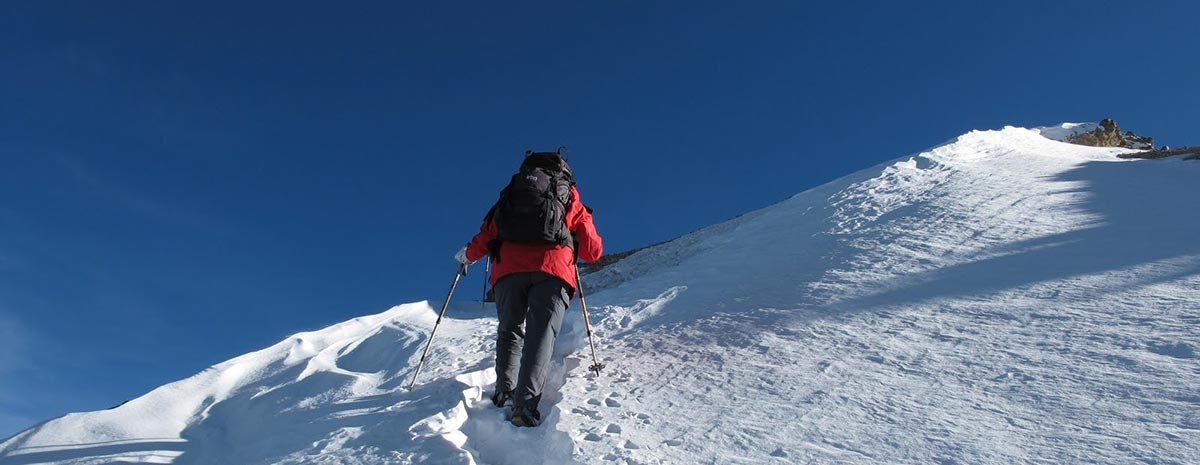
[(523, 416), (501, 397)]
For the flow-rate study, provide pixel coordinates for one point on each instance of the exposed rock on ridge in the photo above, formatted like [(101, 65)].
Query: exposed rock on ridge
[(1109, 135)]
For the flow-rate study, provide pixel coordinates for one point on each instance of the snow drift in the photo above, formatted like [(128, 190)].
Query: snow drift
[(1003, 298)]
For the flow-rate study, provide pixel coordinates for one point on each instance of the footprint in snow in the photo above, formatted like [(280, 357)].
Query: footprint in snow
[(1178, 350), (587, 413)]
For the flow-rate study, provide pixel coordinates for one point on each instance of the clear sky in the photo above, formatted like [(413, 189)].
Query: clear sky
[(181, 183)]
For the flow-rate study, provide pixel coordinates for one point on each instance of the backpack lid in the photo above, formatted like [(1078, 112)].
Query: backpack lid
[(562, 151), (547, 160)]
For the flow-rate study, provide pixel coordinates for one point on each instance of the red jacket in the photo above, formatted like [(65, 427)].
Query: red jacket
[(554, 259)]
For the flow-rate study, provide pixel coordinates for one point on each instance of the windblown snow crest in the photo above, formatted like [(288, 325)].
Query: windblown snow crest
[(329, 396), (1002, 298)]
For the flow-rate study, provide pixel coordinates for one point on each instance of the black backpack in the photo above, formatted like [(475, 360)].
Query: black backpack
[(533, 207)]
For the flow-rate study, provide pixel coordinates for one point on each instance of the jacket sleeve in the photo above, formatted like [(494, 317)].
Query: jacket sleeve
[(478, 247), (588, 245)]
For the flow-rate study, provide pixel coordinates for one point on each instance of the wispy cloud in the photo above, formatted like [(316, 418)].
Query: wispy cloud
[(137, 202), (11, 424), (159, 113), (14, 344), (89, 64), (9, 262), (15, 354)]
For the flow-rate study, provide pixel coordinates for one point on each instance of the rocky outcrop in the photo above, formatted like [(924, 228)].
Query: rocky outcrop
[(1192, 153), (1109, 135), (587, 268)]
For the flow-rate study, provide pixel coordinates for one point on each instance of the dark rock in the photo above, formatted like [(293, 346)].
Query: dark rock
[(1109, 135), (1192, 153)]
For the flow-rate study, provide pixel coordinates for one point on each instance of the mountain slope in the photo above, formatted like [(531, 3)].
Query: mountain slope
[(1003, 298)]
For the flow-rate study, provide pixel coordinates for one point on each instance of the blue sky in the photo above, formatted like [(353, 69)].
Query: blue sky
[(184, 183)]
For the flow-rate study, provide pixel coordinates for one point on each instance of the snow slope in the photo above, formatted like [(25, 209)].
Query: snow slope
[(1003, 298)]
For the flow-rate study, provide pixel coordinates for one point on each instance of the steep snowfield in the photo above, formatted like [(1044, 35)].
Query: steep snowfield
[(1004, 298)]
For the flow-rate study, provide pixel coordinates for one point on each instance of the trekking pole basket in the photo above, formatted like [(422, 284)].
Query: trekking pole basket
[(596, 365)]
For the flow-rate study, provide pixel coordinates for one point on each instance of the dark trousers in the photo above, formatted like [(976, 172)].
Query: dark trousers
[(530, 307)]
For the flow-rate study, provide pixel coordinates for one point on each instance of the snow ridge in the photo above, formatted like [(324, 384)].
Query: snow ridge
[(1002, 298)]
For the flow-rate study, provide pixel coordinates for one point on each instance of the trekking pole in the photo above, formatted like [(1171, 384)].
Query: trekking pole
[(487, 274), (596, 365), (462, 271)]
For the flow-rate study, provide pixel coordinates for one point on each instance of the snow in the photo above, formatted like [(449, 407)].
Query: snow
[(1003, 298), (1065, 131)]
